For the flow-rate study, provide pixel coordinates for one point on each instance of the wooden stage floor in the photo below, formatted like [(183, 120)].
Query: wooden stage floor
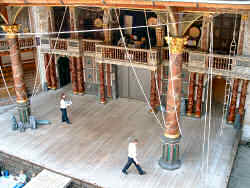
[(94, 147)]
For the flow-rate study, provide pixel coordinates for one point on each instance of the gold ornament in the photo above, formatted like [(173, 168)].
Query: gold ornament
[(172, 135), (98, 22), (176, 44), (11, 30), (244, 17)]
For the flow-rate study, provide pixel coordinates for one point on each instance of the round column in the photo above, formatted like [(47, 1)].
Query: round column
[(232, 108), (23, 105), (152, 92), (102, 85), (191, 93), (73, 75), (52, 71), (80, 79), (199, 96), (243, 98), (170, 158)]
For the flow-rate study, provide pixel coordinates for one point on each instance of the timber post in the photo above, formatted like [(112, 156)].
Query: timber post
[(23, 104), (170, 158)]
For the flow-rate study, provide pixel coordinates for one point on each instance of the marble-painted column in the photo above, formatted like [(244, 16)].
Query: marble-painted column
[(190, 105), (152, 92), (52, 71), (158, 80), (243, 98), (23, 105), (199, 96), (171, 140), (241, 34), (47, 70), (73, 25), (107, 40), (80, 78), (102, 85), (232, 108), (73, 75)]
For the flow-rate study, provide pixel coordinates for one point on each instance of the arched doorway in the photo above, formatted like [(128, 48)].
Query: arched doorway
[(63, 70)]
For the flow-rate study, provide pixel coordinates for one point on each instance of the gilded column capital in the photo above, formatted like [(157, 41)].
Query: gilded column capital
[(11, 30), (176, 44), (244, 17)]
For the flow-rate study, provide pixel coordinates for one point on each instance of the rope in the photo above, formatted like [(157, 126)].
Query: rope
[(50, 60), (6, 87), (155, 75), (136, 76)]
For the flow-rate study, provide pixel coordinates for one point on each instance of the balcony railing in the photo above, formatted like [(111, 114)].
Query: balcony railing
[(90, 45), (221, 62), (137, 56), (24, 43)]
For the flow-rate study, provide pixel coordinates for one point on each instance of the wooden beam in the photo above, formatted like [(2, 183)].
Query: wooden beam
[(123, 4)]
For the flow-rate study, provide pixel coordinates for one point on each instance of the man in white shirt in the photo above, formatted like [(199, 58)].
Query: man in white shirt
[(63, 108), (132, 158)]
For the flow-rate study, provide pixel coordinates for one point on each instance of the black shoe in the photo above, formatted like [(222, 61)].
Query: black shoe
[(143, 173), (125, 172)]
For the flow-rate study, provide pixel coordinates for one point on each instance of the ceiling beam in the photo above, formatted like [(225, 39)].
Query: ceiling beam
[(140, 4)]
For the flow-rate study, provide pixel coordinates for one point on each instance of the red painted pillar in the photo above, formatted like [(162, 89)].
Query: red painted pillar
[(23, 105), (80, 78), (199, 96), (102, 85), (73, 75), (152, 92), (232, 108), (52, 71), (171, 141), (243, 98), (191, 93)]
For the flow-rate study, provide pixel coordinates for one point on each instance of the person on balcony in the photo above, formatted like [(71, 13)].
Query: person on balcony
[(144, 43), (63, 107), (132, 158)]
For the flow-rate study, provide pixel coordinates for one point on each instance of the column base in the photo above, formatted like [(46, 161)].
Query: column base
[(81, 94), (197, 115), (170, 153), (189, 114), (24, 111)]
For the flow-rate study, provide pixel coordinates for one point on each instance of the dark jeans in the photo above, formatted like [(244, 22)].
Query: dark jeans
[(64, 115), (130, 161)]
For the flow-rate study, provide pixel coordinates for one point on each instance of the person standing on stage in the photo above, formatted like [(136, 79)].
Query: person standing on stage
[(63, 108), (132, 158)]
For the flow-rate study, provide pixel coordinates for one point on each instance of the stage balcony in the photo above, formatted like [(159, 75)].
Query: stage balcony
[(193, 60)]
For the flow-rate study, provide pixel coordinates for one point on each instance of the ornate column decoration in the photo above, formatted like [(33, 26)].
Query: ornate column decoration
[(191, 93), (152, 92), (241, 34), (170, 141), (107, 40), (17, 71), (47, 69), (243, 98), (52, 72), (199, 96), (102, 85), (80, 78), (232, 108), (73, 75)]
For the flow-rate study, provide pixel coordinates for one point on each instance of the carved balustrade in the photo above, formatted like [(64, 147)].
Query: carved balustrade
[(24, 43), (119, 55)]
